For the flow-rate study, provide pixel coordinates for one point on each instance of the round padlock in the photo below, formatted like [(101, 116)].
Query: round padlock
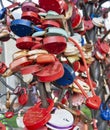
[(68, 77), (26, 42), (32, 16), (50, 23), (19, 63), (61, 120), (45, 58), (9, 114), (50, 72), (23, 27), (54, 44), (40, 116)]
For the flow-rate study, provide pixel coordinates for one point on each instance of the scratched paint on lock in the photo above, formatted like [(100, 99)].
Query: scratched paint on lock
[(61, 119)]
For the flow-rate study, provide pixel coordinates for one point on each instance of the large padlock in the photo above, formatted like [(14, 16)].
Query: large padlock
[(23, 27), (40, 116), (50, 72), (68, 77), (60, 119)]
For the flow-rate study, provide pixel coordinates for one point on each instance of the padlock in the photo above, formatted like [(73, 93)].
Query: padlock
[(64, 120), (45, 59), (94, 101), (40, 116), (26, 42), (23, 27), (105, 109), (68, 77), (3, 67), (2, 13), (32, 16), (18, 63), (50, 72), (19, 119), (9, 114), (23, 97)]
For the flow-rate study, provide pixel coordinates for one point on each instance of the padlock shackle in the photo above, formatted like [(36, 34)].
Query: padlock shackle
[(102, 39), (88, 75)]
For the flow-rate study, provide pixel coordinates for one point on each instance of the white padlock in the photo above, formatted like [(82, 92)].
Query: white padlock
[(19, 120), (61, 120)]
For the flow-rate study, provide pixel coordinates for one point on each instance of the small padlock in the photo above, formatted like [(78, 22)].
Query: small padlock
[(19, 119)]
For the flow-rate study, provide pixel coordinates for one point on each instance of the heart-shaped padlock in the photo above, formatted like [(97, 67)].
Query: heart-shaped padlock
[(40, 116), (93, 102)]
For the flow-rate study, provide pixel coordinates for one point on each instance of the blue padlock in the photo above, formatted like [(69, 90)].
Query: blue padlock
[(2, 13), (68, 77), (22, 27), (105, 112)]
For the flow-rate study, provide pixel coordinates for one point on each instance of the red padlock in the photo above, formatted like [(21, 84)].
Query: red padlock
[(32, 16), (40, 116), (16, 65), (9, 114), (3, 67), (50, 23), (45, 58), (30, 69), (23, 97), (50, 72), (26, 42), (54, 44)]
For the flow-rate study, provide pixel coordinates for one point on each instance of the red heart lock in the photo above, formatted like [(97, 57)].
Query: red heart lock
[(32, 16), (2, 126), (3, 67), (93, 102), (25, 42), (51, 72), (23, 97), (9, 114), (36, 116), (54, 44)]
